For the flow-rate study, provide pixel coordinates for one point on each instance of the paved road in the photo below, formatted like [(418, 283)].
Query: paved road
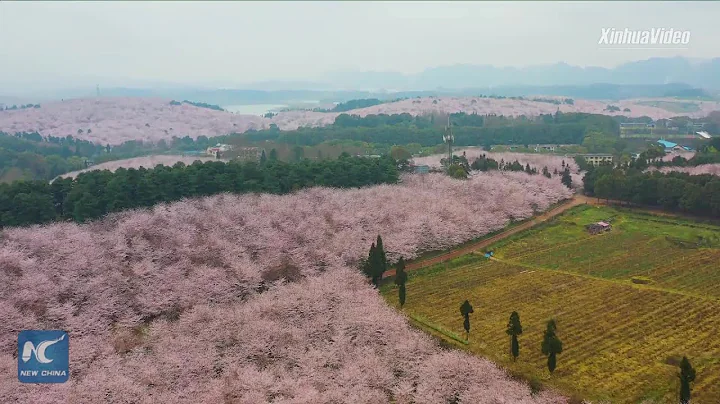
[(480, 244)]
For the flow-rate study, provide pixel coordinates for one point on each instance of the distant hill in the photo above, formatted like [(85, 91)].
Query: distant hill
[(115, 120), (654, 71), (655, 77), (597, 91)]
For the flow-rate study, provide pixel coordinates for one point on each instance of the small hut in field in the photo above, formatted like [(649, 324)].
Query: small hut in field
[(599, 227)]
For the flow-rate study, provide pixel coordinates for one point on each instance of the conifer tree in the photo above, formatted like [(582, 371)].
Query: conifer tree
[(465, 309), (380, 262), (687, 376), (263, 157), (546, 172), (514, 328), (551, 345), (367, 268), (566, 178)]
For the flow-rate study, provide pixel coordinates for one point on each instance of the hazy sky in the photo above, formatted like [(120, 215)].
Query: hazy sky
[(60, 44)]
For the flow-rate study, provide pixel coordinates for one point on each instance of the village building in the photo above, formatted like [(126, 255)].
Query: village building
[(598, 159), (546, 147), (420, 169), (217, 150), (671, 147)]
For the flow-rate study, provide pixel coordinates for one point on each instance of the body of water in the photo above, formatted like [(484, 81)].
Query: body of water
[(254, 109)]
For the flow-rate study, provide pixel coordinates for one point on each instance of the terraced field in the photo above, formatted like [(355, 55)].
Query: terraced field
[(621, 339)]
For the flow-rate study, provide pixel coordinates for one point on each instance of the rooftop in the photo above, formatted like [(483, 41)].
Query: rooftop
[(666, 144)]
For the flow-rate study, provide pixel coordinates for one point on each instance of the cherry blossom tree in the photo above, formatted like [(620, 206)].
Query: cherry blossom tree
[(535, 160), (713, 169), (148, 162), (254, 298), (114, 120)]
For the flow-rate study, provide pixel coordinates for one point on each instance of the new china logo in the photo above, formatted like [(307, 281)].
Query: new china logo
[(43, 356)]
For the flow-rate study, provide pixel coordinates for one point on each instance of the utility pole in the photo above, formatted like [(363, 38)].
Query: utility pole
[(449, 139)]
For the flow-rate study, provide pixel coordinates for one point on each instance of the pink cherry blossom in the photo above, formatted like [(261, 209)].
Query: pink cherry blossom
[(254, 298), (137, 162), (713, 169), (536, 160), (115, 120)]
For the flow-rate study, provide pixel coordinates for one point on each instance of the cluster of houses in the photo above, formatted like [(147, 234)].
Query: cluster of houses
[(240, 153), (661, 125), (606, 158), (217, 150), (671, 147)]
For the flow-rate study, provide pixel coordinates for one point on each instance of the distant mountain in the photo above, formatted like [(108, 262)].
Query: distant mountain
[(655, 77), (654, 71), (225, 97)]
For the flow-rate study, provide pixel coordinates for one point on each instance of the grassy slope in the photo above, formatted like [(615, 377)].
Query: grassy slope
[(620, 338)]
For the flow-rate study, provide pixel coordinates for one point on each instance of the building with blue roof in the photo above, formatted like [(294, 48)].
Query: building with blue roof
[(670, 146), (667, 145)]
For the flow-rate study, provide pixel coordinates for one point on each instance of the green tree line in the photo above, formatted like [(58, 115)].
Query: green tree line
[(696, 194), (30, 156), (198, 104), (469, 130), (96, 193)]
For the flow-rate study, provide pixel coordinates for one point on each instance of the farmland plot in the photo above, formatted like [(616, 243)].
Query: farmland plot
[(622, 340)]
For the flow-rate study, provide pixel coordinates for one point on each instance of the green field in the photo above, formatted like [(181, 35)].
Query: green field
[(621, 339)]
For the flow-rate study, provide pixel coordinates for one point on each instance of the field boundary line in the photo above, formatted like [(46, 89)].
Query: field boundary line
[(425, 323)]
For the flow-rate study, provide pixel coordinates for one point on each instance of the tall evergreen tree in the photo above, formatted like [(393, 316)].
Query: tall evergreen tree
[(514, 328), (546, 172), (687, 376), (273, 154), (465, 309), (263, 157), (400, 280), (380, 261), (368, 265), (551, 345), (566, 178)]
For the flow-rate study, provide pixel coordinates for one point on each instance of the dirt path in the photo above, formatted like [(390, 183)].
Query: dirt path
[(480, 244)]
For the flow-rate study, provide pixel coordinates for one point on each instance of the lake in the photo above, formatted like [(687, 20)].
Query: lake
[(254, 109)]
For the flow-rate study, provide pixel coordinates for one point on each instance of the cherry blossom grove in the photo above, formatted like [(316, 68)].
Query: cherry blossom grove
[(115, 120), (536, 160), (713, 169), (527, 107), (137, 162), (253, 298), (687, 155)]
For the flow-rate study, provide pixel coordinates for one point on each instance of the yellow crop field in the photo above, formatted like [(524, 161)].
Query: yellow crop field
[(622, 340)]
